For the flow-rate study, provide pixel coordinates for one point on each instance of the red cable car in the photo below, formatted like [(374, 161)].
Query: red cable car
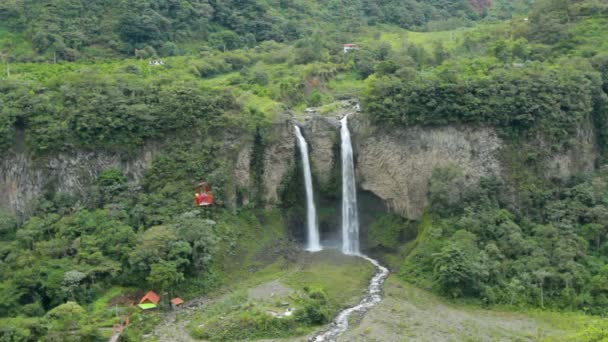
[(203, 196)]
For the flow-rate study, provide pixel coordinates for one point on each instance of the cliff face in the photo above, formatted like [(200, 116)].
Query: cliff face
[(579, 157), (278, 160), (397, 165), (322, 135), (394, 164), (24, 178)]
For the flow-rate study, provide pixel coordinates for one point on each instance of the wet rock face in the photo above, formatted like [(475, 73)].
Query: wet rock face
[(242, 173), (279, 157), (393, 164), (397, 166), (23, 178), (579, 157), (322, 135)]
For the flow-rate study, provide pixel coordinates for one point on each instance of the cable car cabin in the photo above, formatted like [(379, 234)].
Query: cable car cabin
[(203, 196)]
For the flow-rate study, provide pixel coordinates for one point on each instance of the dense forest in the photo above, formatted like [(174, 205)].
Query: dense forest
[(74, 29), (76, 75)]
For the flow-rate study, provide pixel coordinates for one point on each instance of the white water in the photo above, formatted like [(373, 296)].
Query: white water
[(372, 297), (350, 218), (312, 243), (350, 243)]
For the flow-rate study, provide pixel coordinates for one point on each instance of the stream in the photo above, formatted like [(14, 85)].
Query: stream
[(340, 324)]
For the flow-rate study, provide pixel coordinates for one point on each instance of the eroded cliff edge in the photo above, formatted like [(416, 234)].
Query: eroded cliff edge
[(395, 164)]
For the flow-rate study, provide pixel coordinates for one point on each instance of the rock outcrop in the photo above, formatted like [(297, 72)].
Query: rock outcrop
[(242, 173), (322, 135), (394, 164), (23, 178), (279, 156), (579, 157), (397, 165)]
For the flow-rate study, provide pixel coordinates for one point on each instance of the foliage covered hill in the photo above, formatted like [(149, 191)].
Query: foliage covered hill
[(71, 29), (543, 246)]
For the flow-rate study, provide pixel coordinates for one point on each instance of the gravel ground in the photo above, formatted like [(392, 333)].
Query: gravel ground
[(406, 313), (411, 314), (272, 289)]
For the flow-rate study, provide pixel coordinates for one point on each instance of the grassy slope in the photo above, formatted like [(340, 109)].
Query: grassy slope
[(410, 314), (591, 38), (343, 278), (262, 254)]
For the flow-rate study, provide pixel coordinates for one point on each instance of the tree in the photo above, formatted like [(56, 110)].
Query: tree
[(164, 275), (501, 51), (440, 53), (8, 223), (66, 317), (541, 277), (460, 267), (153, 246), (200, 234), (71, 281)]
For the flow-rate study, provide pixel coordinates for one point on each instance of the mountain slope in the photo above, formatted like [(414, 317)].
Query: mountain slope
[(71, 29)]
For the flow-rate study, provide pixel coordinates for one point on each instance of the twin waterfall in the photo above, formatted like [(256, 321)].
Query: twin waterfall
[(350, 218), (350, 232), (313, 243)]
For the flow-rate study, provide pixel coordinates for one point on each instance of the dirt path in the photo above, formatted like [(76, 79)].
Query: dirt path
[(410, 314), (173, 325)]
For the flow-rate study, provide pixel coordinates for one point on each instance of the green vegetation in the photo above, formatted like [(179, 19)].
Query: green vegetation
[(76, 76), (547, 250), (72, 29), (322, 284), (554, 100)]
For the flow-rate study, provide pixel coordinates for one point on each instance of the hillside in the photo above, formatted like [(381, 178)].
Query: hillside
[(480, 149), (74, 29)]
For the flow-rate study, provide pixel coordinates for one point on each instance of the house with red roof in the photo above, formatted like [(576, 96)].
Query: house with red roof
[(175, 302), (149, 300)]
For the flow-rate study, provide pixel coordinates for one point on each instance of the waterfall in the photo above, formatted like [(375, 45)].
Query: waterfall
[(350, 218), (350, 244), (312, 243)]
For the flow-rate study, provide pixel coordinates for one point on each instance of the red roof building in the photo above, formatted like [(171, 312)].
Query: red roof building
[(150, 297), (177, 301)]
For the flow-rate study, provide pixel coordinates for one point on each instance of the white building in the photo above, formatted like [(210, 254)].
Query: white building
[(350, 47)]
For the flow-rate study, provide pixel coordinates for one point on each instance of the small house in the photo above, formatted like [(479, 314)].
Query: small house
[(350, 47), (156, 62), (149, 300), (176, 302)]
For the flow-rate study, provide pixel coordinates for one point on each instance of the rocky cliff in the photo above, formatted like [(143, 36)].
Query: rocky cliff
[(397, 165), (279, 154), (24, 177), (394, 164)]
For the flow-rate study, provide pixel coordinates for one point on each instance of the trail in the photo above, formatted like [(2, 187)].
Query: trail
[(373, 296)]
